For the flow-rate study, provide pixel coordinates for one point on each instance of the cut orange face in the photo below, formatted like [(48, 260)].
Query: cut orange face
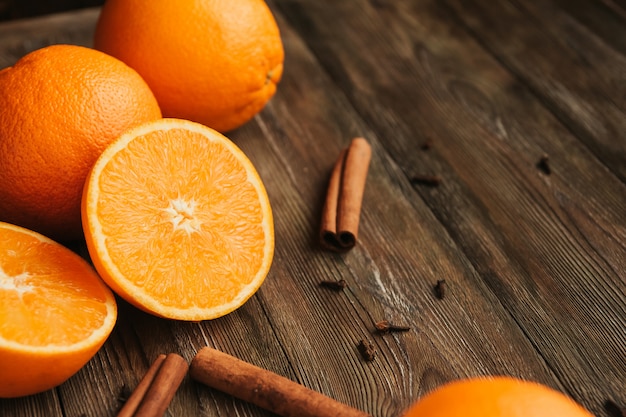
[(55, 312), (177, 221)]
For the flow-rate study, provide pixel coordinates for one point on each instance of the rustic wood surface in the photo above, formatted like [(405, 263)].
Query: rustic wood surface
[(474, 92)]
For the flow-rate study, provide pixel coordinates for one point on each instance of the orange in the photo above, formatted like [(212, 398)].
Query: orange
[(55, 312), (498, 396), (59, 108), (177, 221), (216, 62)]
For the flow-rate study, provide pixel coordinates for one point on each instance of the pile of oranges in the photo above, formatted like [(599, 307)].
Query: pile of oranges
[(213, 62), (122, 145)]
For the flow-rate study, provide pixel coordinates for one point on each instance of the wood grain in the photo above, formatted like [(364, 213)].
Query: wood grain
[(516, 225), (534, 262), (19, 37), (582, 83)]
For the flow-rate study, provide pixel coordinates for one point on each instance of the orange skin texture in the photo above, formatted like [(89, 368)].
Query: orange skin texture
[(495, 397), (215, 62), (60, 106)]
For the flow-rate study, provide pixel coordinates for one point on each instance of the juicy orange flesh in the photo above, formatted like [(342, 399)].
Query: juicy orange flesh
[(45, 298), (191, 237)]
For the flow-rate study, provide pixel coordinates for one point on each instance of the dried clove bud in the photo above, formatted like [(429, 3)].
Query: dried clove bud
[(367, 350), (440, 289), (124, 394), (544, 165), (614, 410), (384, 326), (428, 180), (334, 285)]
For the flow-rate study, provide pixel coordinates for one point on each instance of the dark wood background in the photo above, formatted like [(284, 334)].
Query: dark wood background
[(535, 262), (20, 9)]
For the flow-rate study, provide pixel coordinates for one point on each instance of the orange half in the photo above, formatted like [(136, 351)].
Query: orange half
[(177, 221), (55, 312)]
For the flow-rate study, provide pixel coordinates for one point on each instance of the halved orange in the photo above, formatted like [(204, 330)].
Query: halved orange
[(55, 312), (177, 221)]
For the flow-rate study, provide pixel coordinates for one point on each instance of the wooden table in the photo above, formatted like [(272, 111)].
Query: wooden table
[(474, 92)]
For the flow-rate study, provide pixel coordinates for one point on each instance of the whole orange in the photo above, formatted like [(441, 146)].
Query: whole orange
[(496, 397), (216, 62), (60, 106)]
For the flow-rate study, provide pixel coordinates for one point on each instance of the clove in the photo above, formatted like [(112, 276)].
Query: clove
[(613, 409), (544, 165), (428, 180), (124, 394), (440, 289), (334, 285), (384, 326), (367, 350)]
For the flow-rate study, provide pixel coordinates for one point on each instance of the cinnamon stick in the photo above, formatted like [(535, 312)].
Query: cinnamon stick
[(344, 196), (157, 388), (264, 388), (132, 403)]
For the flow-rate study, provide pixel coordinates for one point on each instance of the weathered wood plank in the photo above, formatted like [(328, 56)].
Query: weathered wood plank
[(603, 19), (19, 37), (574, 72), (534, 262), (41, 405), (403, 251), (551, 247)]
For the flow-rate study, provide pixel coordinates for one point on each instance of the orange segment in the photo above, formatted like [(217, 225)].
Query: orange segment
[(177, 221), (55, 312)]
